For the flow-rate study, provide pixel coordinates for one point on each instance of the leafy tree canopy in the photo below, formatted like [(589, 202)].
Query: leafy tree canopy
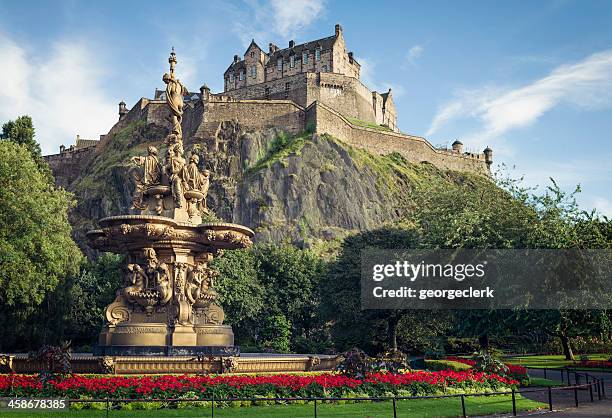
[(270, 294), (36, 249), (21, 131)]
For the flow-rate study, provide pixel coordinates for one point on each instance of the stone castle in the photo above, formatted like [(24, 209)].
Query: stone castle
[(311, 86), (317, 71)]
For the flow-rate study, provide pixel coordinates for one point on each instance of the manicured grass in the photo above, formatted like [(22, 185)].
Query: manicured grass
[(445, 365), (448, 407), (553, 361), (540, 381)]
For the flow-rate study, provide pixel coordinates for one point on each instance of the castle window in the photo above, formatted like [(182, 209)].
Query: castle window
[(324, 68), (267, 92), (231, 77), (279, 64), (287, 85), (253, 71), (292, 61), (241, 75), (318, 54), (252, 54), (305, 57)]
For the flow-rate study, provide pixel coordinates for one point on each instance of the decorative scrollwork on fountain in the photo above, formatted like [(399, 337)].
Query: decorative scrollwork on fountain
[(117, 312), (183, 311), (229, 364), (238, 239), (313, 362), (201, 294), (106, 364), (147, 287)]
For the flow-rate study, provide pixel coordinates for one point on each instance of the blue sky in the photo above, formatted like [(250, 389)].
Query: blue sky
[(531, 79)]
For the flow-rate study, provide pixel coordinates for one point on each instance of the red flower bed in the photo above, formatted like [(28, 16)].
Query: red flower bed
[(516, 371), (467, 361), (323, 385), (596, 364)]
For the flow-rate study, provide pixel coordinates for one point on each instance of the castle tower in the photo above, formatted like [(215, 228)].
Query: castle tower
[(458, 147), (204, 93), (488, 153), (122, 109)]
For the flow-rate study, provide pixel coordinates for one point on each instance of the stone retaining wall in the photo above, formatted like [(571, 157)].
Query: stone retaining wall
[(414, 148)]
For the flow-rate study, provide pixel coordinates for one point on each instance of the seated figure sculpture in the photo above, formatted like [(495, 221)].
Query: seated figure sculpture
[(200, 289), (136, 281), (196, 180), (147, 173)]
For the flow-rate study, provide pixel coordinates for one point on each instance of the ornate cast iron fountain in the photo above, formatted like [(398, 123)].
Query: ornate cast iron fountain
[(168, 304)]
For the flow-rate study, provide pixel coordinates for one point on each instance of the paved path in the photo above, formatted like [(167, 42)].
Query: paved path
[(564, 402)]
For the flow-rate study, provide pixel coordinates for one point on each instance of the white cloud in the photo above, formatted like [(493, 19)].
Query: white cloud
[(367, 75), (293, 15), (62, 92), (268, 20), (587, 83), (603, 205), (413, 54)]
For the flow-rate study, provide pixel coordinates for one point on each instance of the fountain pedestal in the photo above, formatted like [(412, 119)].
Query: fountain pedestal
[(168, 303)]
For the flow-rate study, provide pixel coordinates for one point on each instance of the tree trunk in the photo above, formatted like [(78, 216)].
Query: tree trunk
[(567, 348), (483, 340), (392, 324)]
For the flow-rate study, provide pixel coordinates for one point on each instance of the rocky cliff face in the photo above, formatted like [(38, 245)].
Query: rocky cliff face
[(304, 189)]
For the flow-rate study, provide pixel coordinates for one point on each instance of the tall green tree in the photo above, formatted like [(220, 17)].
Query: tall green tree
[(291, 277), (270, 295), (73, 311), (21, 131), (467, 212), (371, 330), (562, 225), (36, 248), (85, 297), (240, 292)]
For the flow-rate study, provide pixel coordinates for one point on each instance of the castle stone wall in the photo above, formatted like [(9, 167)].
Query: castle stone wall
[(415, 149), (67, 166), (288, 88), (203, 119), (345, 94), (258, 114)]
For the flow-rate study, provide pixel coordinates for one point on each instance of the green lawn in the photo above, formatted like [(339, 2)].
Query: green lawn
[(540, 381), (552, 361), (449, 407)]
